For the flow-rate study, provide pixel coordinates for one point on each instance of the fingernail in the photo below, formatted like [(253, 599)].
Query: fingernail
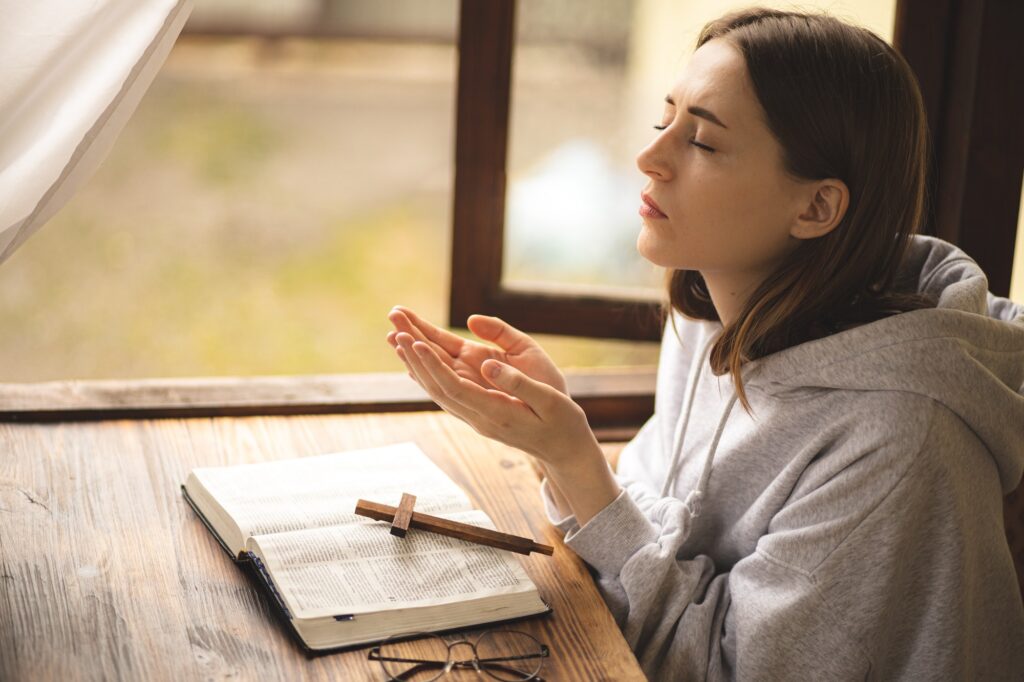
[(494, 369)]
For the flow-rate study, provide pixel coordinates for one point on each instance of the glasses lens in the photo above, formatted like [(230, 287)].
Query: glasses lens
[(509, 655), (418, 660)]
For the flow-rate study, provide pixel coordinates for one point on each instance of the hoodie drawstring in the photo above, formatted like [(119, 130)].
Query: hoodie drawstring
[(697, 494), (679, 436), (693, 499)]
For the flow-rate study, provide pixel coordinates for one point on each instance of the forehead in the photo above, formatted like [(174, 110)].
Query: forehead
[(716, 78)]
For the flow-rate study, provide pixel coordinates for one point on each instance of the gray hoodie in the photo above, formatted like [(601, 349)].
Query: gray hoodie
[(851, 527)]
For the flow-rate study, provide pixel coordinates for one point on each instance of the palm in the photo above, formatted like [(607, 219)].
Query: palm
[(465, 356), (531, 361)]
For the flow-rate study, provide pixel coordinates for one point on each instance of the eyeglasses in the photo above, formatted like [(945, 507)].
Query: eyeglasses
[(507, 655)]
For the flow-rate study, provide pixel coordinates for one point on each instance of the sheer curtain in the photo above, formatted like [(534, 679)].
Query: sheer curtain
[(71, 74)]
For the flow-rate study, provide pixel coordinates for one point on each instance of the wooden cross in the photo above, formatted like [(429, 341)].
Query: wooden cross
[(403, 518)]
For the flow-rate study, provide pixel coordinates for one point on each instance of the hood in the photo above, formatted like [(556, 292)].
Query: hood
[(967, 354)]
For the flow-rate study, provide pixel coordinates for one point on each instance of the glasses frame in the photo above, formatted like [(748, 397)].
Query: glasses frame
[(449, 664)]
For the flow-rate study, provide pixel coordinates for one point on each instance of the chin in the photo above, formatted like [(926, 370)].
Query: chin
[(648, 247)]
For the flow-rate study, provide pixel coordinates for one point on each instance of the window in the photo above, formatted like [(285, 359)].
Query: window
[(976, 181), (285, 181), (264, 229)]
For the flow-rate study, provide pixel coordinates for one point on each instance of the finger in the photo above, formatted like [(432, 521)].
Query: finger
[(390, 338), (408, 367), (404, 325), (448, 342), (415, 365), (539, 397), (498, 331), (426, 378), (492, 406)]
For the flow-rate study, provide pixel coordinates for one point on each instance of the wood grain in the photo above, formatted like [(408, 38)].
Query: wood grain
[(402, 516), (106, 574)]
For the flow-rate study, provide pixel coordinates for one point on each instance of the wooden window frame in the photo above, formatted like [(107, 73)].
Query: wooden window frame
[(968, 62), (486, 35)]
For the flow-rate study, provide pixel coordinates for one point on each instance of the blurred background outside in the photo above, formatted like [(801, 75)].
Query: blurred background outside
[(288, 179)]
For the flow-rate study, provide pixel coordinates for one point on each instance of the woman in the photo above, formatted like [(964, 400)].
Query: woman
[(844, 521)]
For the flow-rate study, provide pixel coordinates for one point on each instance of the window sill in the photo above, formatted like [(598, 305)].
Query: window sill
[(617, 401)]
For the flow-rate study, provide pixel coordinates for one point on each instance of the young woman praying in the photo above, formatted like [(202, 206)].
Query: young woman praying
[(839, 405)]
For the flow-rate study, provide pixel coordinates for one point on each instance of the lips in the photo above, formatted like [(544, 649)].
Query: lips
[(648, 208)]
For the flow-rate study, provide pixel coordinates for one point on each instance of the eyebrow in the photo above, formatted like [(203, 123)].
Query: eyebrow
[(700, 112)]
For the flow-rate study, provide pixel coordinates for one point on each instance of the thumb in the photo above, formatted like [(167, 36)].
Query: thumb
[(537, 395), (498, 331)]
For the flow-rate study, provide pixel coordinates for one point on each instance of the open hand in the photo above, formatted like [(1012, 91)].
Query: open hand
[(513, 394), (465, 357)]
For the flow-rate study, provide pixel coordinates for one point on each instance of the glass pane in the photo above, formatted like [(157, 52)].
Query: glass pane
[(266, 206), (589, 80)]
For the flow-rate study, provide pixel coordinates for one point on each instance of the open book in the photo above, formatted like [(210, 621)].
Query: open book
[(342, 579)]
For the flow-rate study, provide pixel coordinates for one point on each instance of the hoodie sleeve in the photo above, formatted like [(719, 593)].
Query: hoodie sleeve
[(789, 605), (673, 612), (1004, 309)]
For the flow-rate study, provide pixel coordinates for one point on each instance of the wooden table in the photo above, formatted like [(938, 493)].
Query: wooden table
[(105, 573)]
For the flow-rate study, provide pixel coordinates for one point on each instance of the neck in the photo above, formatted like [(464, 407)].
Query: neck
[(729, 292)]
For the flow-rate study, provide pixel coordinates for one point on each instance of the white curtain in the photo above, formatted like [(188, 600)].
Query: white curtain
[(71, 74)]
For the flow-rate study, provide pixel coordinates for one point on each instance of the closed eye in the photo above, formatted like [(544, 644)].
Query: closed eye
[(702, 146), (693, 141)]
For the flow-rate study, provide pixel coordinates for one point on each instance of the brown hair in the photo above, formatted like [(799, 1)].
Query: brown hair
[(842, 104)]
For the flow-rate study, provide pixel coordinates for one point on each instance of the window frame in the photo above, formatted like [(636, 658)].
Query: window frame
[(486, 34)]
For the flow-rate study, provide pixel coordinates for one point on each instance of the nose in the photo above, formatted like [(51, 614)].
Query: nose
[(653, 160)]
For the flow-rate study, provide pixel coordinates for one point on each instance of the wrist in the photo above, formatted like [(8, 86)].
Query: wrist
[(586, 483)]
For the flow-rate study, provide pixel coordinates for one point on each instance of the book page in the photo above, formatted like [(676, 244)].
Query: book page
[(361, 567), (310, 492)]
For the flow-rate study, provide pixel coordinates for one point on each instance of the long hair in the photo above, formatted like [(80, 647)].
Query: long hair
[(842, 104)]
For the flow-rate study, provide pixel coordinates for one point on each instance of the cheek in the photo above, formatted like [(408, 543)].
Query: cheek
[(727, 223)]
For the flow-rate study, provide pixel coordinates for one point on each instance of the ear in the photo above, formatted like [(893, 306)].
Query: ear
[(828, 202)]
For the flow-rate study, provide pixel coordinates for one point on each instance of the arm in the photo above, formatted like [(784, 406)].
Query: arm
[(678, 613), (493, 391), (690, 619), (863, 563)]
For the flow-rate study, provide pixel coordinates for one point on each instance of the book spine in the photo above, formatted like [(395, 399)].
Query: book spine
[(269, 582)]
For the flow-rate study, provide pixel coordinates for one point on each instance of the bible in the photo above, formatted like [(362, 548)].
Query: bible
[(340, 580)]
